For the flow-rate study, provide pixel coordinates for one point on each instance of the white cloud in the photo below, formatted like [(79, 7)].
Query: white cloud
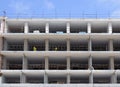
[(49, 4), (19, 6)]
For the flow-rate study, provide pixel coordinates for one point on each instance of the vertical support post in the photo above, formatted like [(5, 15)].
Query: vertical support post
[(68, 44), (111, 63), (89, 28), (68, 63), (5, 46), (2, 27), (0, 62), (110, 28), (114, 77), (46, 63), (46, 45), (110, 45), (25, 45), (26, 28), (91, 77), (90, 63), (89, 45), (68, 27), (22, 78), (45, 78), (47, 28), (25, 63), (68, 78)]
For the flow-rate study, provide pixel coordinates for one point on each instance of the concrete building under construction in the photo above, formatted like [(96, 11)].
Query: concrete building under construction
[(59, 52)]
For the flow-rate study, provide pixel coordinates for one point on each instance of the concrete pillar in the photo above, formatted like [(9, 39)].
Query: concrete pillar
[(114, 78), (68, 44), (22, 78), (1, 43), (90, 63), (26, 28), (110, 45), (91, 77), (25, 45), (0, 79), (4, 63), (68, 27), (111, 63), (89, 28), (68, 78), (45, 78), (46, 63), (25, 63), (5, 46), (46, 45), (2, 27), (1, 62), (110, 28), (68, 63), (47, 28), (89, 45)]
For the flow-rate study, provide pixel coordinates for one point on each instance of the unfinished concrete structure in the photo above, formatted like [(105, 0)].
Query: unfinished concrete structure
[(59, 52)]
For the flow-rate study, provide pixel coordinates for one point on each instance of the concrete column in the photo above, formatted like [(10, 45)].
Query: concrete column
[(22, 78), (91, 77), (1, 43), (1, 62), (68, 63), (89, 28), (114, 78), (4, 63), (110, 45), (68, 78), (0, 79), (45, 78), (25, 45), (68, 27), (26, 28), (47, 28), (89, 45), (110, 28), (25, 63), (2, 27), (111, 63), (5, 46), (46, 45), (90, 63), (46, 63), (5, 26), (68, 44)]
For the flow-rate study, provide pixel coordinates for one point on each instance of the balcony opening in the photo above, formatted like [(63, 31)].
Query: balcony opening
[(36, 45), (58, 28), (57, 64), (115, 27), (36, 63), (117, 63), (15, 46), (79, 79), (15, 28), (100, 63), (11, 79), (14, 64), (79, 63), (99, 27), (58, 45), (57, 79), (78, 45), (35, 79), (80, 28), (37, 27), (102, 80), (100, 46), (118, 79), (116, 45)]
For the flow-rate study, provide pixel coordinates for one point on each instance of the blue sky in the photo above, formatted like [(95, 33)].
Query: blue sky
[(60, 8)]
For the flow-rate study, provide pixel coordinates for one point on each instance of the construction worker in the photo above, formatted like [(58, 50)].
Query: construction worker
[(34, 48)]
